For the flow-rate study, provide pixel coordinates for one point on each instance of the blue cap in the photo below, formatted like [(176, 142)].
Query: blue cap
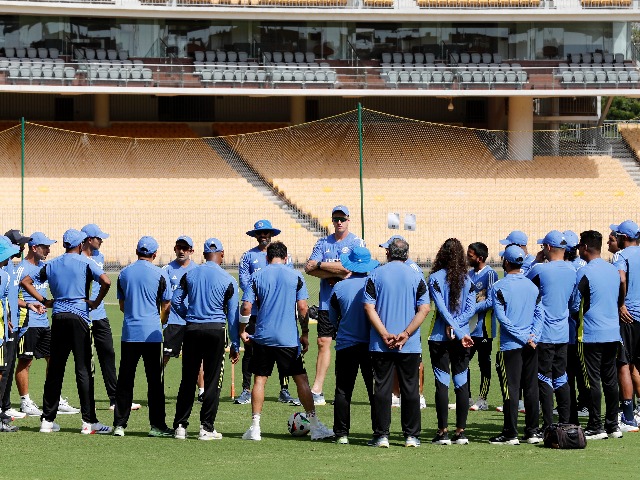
[(340, 208), (554, 238), (72, 238), (93, 230), (516, 237), (213, 245), (7, 249), (147, 245), (513, 254), (391, 240), (571, 238), (359, 260), (628, 228), (261, 226), (186, 239), (39, 238)]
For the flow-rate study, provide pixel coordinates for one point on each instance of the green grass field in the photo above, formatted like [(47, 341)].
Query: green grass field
[(29, 454)]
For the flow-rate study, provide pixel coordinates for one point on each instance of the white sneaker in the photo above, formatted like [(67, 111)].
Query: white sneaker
[(423, 402), (49, 427), (180, 433), (321, 431), (253, 433), (480, 404), (207, 435), (65, 409), (583, 412), (452, 406), (500, 408), (29, 407), (16, 414), (395, 400), (134, 406), (318, 398), (95, 428), (118, 432)]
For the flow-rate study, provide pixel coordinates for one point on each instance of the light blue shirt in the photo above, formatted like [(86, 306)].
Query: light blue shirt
[(175, 272), (252, 261), (443, 316), (29, 318), (629, 263), (99, 313), (347, 313), (482, 281)]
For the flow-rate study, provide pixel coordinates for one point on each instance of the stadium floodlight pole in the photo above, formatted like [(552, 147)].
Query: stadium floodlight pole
[(22, 174), (361, 186)]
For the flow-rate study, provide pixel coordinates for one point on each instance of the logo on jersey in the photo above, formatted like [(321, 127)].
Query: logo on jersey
[(479, 285), (256, 261), (174, 278), (345, 250)]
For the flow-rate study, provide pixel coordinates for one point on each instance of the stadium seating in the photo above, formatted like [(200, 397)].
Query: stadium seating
[(597, 70)]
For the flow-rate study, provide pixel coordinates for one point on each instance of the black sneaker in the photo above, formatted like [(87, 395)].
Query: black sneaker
[(593, 434), (615, 432), (534, 438), (459, 439), (441, 438), (504, 440), (200, 397)]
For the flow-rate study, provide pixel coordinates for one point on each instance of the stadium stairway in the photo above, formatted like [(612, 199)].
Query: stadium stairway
[(621, 151), (222, 147)]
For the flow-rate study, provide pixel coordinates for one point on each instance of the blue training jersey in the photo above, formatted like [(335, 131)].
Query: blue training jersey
[(514, 299), (629, 263), (69, 277), (143, 287), (208, 294), (481, 283), (26, 317), (595, 302), (99, 313), (347, 313), (529, 262), (274, 290), (443, 317), (327, 249), (555, 281), (397, 292), (12, 294), (252, 261), (4, 307), (175, 272)]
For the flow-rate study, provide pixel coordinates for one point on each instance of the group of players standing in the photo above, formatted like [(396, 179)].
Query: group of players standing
[(567, 326)]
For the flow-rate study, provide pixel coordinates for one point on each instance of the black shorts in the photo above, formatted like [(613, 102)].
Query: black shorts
[(8, 350), (325, 327), (173, 337), (35, 343), (630, 348), (289, 361)]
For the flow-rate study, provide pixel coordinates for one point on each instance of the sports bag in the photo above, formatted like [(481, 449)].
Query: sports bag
[(564, 436)]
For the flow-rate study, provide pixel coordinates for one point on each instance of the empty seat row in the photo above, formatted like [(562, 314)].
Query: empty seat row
[(27, 62), (560, 71), (201, 66), (464, 77), (386, 67), (477, 58), (31, 52), (479, 3), (288, 57), (275, 76), (42, 73), (220, 56), (89, 64), (429, 58), (606, 3), (100, 54), (595, 57), (121, 73), (600, 77)]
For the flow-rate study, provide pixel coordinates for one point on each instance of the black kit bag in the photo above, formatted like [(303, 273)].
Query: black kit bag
[(564, 436)]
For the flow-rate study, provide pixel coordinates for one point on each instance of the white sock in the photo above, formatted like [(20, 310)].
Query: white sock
[(255, 420), (313, 419), (25, 398), (200, 391)]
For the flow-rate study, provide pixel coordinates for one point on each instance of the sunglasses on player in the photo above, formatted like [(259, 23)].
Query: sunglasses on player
[(340, 219)]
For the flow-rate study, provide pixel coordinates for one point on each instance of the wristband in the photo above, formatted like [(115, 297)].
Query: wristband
[(318, 265), (244, 319)]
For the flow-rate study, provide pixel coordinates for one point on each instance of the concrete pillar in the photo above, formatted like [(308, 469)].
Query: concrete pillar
[(555, 127), (520, 128), (101, 116), (496, 113), (298, 110)]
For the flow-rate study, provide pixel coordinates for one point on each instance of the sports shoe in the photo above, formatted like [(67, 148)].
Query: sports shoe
[(180, 432), (160, 432), (533, 439), (6, 427), (379, 442), (95, 428), (318, 398), (49, 427), (595, 434), (423, 402), (480, 404), (583, 412), (253, 433), (15, 414), (65, 409), (134, 406), (118, 432), (627, 425), (441, 438), (321, 431), (29, 408), (344, 440), (521, 406), (395, 400), (244, 398), (500, 409), (285, 397), (460, 439), (504, 440), (411, 441), (200, 397), (207, 435), (452, 406), (615, 433)]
